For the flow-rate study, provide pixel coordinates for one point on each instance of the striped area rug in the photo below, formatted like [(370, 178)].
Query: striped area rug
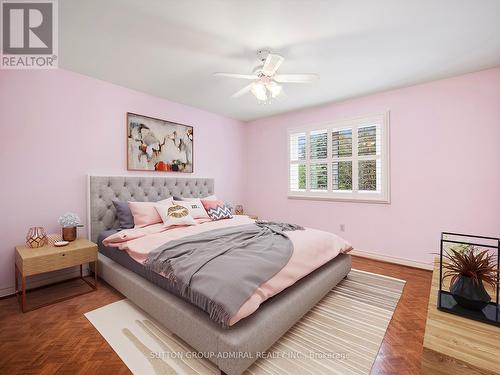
[(340, 335)]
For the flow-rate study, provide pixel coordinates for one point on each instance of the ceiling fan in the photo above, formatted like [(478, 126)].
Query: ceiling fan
[(266, 83)]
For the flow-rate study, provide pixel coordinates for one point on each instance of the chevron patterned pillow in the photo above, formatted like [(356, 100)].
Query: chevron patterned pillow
[(216, 209)]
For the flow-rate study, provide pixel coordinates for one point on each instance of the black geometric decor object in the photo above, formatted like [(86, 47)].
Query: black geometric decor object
[(469, 304)]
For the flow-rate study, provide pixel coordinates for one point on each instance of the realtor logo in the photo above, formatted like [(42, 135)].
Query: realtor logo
[(29, 34)]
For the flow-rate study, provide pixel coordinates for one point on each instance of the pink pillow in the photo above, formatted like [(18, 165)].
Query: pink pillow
[(217, 210), (145, 213)]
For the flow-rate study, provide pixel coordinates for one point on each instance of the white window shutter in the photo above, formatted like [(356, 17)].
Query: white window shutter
[(342, 160)]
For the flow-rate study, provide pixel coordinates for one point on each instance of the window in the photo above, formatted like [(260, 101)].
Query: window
[(342, 160)]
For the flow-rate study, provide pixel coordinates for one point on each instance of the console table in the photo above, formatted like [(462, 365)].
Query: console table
[(456, 345)]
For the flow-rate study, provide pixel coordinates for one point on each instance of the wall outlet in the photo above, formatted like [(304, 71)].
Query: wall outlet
[(342, 227)]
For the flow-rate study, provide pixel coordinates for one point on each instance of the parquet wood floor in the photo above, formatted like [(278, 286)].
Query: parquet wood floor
[(401, 350), (58, 339)]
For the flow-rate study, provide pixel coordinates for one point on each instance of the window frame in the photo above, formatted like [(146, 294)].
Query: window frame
[(353, 195)]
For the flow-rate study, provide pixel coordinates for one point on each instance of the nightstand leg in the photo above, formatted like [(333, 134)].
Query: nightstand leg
[(23, 299), (95, 274), (16, 282), (81, 271)]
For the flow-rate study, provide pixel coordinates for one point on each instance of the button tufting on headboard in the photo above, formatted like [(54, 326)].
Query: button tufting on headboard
[(104, 189)]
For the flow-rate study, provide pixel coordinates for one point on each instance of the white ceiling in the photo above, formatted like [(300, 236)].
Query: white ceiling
[(170, 48)]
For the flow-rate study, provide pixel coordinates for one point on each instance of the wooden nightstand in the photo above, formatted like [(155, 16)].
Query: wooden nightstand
[(31, 262)]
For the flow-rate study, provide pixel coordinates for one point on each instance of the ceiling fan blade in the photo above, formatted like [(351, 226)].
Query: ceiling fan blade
[(243, 91), (295, 78), (272, 64), (235, 75)]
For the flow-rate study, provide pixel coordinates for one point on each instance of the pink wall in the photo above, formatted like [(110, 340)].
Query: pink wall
[(445, 167), (58, 126)]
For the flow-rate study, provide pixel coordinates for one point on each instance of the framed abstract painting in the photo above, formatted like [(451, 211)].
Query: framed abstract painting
[(158, 145)]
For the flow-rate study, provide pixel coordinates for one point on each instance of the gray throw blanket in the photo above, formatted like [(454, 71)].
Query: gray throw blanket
[(220, 269)]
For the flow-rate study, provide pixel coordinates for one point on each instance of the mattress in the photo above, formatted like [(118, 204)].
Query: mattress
[(312, 249), (125, 260)]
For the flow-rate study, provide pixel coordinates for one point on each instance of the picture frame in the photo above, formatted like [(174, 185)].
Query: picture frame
[(158, 145)]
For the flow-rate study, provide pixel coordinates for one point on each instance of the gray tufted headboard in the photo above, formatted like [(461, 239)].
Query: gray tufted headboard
[(104, 189)]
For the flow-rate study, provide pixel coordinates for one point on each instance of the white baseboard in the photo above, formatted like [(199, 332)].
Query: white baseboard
[(395, 260), (74, 272), (45, 279)]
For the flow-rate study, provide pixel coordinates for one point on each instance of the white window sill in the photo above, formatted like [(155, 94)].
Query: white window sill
[(338, 199)]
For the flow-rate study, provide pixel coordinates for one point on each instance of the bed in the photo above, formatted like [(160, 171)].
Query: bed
[(254, 334)]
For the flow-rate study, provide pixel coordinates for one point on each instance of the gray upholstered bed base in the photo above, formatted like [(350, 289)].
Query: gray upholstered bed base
[(251, 335)]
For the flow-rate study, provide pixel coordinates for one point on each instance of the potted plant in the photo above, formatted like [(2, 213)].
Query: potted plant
[(69, 222), (469, 268)]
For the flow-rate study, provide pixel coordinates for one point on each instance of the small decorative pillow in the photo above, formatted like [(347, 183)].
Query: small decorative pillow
[(145, 213), (175, 215), (216, 209), (195, 207), (124, 215)]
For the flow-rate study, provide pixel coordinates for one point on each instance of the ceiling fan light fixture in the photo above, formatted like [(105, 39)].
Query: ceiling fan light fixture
[(274, 89), (259, 90), (267, 83)]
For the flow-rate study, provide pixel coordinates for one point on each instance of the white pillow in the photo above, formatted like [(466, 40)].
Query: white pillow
[(195, 207), (174, 215)]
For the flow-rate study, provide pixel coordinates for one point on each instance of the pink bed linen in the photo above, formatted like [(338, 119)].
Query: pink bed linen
[(312, 249)]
